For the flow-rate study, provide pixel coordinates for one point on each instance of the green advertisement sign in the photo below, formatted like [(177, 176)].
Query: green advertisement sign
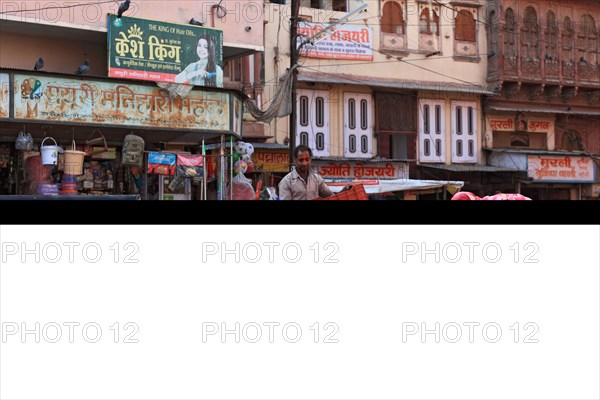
[(164, 52)]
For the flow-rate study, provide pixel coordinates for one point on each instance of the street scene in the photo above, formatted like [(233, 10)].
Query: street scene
[(300, 100)]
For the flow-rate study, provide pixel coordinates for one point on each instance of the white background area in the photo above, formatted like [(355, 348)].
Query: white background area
[(382, 283)]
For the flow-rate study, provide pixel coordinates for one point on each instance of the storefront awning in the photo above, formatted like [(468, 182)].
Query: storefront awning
[(542, 109), (538, 152), (470, 168), (324, 77), (398, 185)]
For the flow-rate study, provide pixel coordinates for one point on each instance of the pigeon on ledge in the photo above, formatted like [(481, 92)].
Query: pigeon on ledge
[(124, 6), (39, 64), (83, 68)]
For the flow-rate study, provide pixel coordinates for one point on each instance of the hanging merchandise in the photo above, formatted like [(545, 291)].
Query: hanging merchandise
[(161, 163), (74, 161), (24, 142), (242, 186), (50, 152), (240, 167), (189, 165), (102, 152), (244, 151), (133, 150)]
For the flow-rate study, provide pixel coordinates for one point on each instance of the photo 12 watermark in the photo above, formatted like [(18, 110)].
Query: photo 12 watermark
[(69, 252), (269, 252), (470, 252), (69, 332), (269, 332), (469, 332)]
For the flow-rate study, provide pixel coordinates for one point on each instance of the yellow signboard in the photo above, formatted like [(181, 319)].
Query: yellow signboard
[(116, 103), (266, 160)]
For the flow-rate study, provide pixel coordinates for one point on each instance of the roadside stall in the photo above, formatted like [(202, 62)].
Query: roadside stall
[(123, 134), (71, 136), (400, 189)]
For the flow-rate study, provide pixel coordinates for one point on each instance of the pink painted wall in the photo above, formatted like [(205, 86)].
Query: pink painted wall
[(242, 22), (21, 51)]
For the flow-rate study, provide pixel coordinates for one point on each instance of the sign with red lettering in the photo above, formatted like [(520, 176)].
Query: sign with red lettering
[(266, 160), (351, 42), (502, 124), (539, 126), (560, 168), (358, 170)]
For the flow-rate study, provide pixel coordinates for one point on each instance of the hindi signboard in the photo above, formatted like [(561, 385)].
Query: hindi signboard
[(560, 168), (358, 170), (50, 98), (351, 42), (267, 160), (502, 123), (4, 96), (164, 52)]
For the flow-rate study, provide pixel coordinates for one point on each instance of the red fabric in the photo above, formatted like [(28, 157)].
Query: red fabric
[(499, 196)]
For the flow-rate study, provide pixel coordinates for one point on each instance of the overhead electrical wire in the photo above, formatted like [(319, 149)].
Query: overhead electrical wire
[(60, 7)]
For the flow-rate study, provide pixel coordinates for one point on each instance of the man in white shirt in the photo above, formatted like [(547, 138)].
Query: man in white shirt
[(302, 183)]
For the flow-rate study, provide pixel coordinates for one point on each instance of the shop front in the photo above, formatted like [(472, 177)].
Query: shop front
[(96, 126), (551, 175)]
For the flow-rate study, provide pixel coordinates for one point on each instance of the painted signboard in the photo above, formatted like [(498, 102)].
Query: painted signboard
[(57, 99), (358, 170), (502, 124), (352, 42), (164, 52), (560, 168), (539, 126), (266, 160), (4, 96)]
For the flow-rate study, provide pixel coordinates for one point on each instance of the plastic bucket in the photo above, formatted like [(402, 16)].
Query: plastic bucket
[(50, 153), (35, 171), (74, 161)]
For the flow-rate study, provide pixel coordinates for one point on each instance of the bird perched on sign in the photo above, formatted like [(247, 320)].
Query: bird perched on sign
[(124, 6), (39, 64), (83, 68)]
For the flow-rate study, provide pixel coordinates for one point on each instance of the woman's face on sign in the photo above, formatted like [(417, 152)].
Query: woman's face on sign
[(202, 48)]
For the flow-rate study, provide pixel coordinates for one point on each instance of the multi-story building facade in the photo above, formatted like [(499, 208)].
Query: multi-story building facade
[(399, 87), (545, 119)]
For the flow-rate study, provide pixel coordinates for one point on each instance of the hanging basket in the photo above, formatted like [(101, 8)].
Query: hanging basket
[(74, 161), (102, 152)]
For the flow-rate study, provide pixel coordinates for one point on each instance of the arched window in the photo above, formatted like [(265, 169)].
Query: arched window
[(571, 141), (551, 37), (529, 34), (429, 22), (588, 39), (465, 26), (392, 20), (567, 40), (510, 32)]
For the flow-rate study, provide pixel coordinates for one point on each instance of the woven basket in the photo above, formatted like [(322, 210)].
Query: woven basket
[(357, 192)]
